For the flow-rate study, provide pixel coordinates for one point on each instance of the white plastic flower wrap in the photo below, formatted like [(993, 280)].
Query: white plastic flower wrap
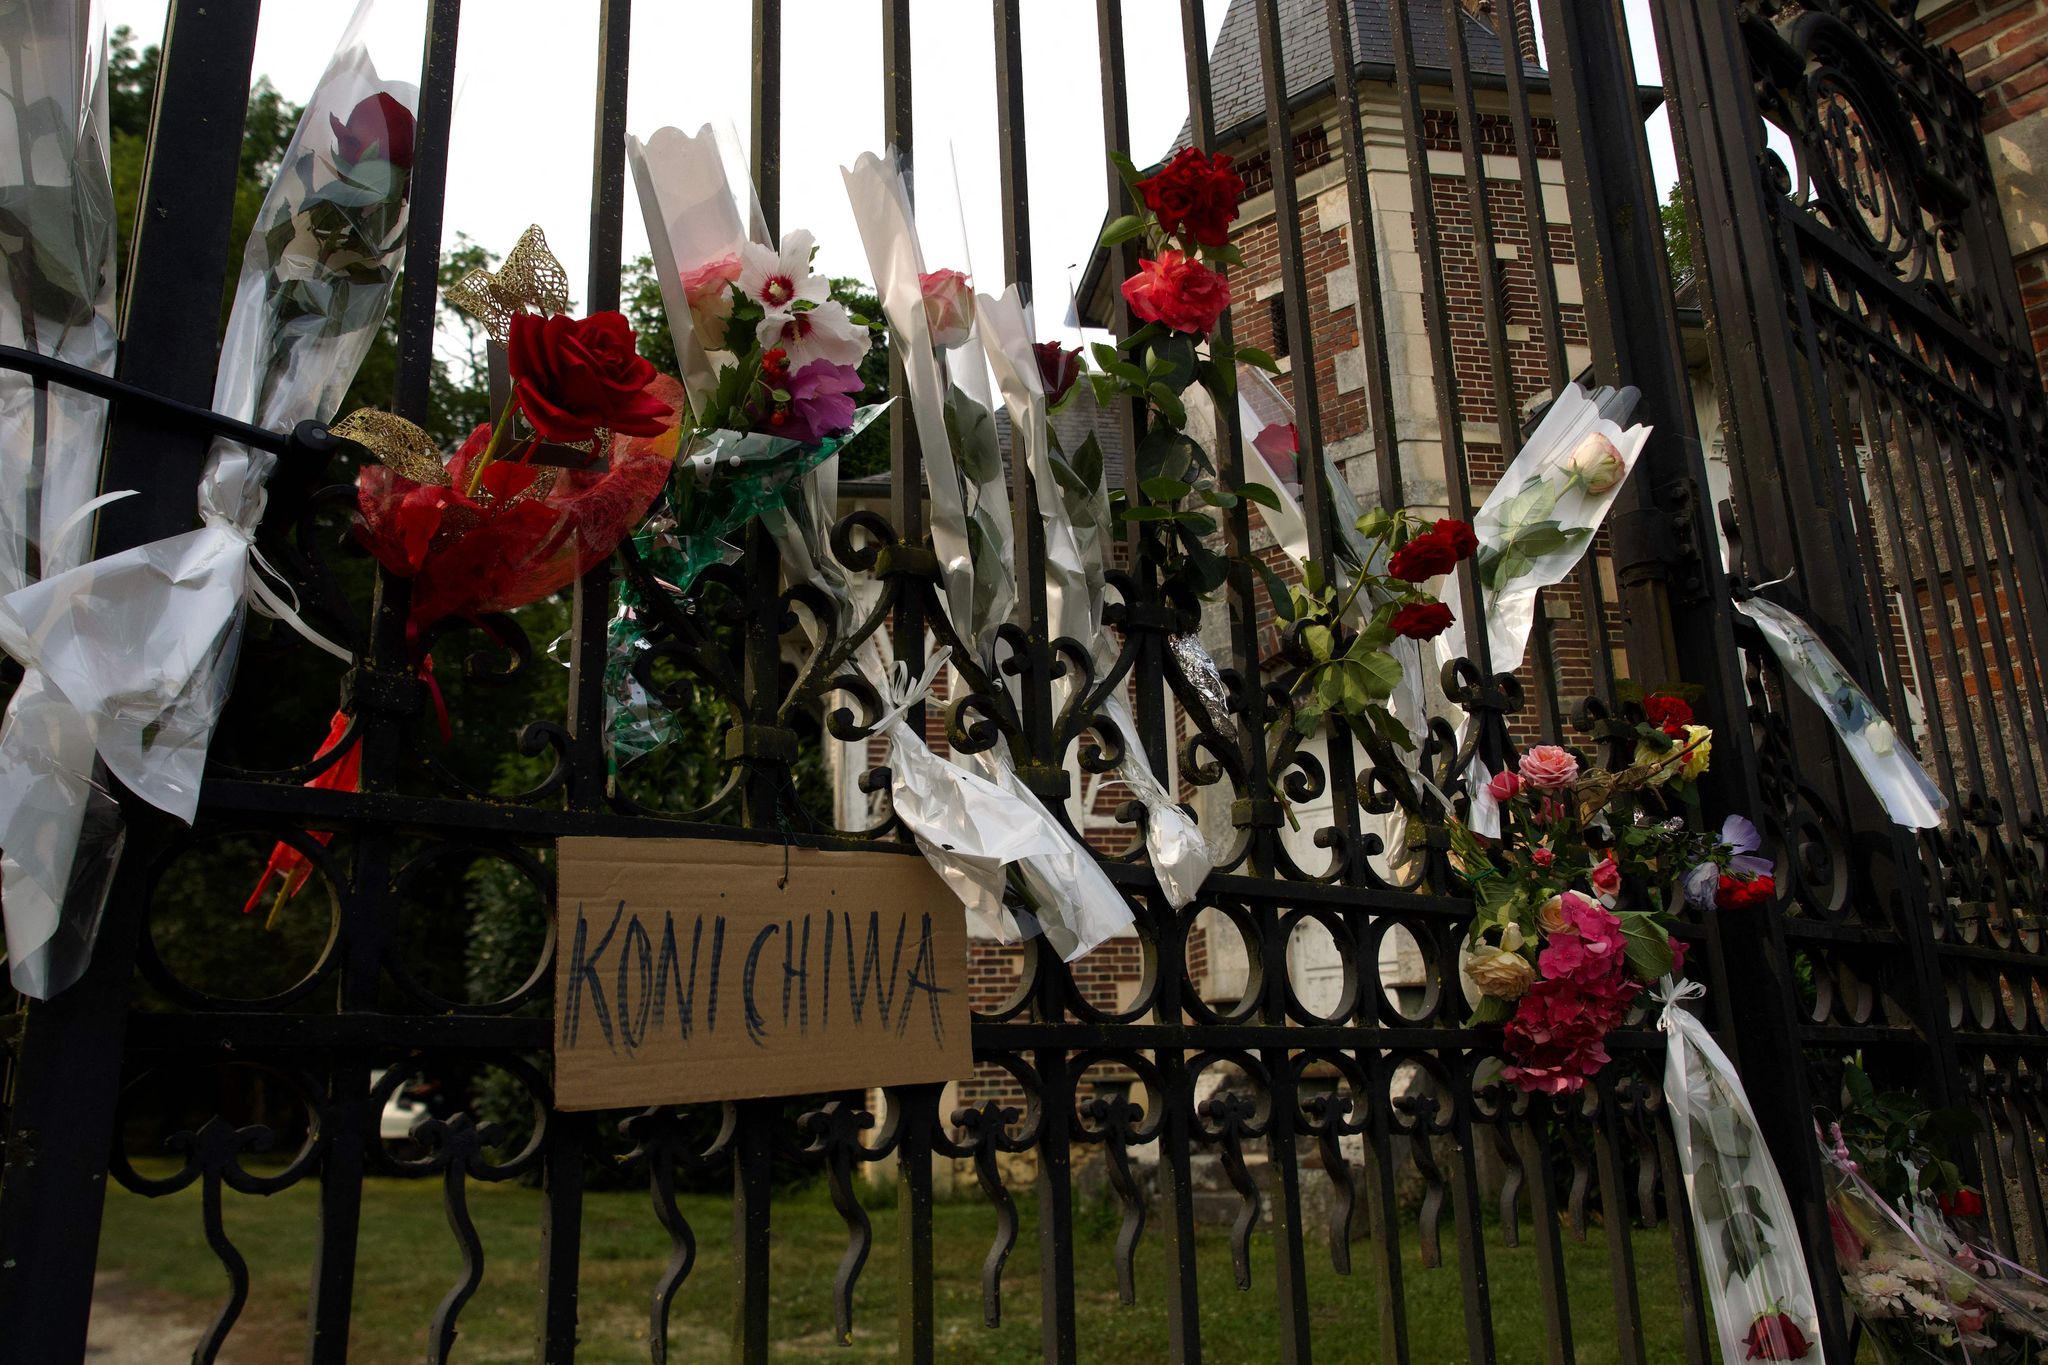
[(60, 833), (932, 322), (1751, 1260), (1908, 794), (1537, 525), (143, 643), (971, 830), (1075, 578)]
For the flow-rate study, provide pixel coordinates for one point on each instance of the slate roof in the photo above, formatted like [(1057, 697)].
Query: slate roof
[(1237, 86)]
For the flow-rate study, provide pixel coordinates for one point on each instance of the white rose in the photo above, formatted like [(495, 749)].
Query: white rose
[(1500, 973), (1596, 464)]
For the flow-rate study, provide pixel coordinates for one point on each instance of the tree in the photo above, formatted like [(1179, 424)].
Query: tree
[(1677, 236)]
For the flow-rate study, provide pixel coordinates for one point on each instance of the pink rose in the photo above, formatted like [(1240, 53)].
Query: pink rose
[(709, 291), (1542, 856), (1607, 877), (948, 307), (1504, 787), (1549, 766)]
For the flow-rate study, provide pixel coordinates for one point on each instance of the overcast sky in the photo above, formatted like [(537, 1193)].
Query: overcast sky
[(524, 110)]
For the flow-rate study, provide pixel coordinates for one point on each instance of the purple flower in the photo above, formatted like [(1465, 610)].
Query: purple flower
[(1743, 841), (820, 401), (1703, 883)]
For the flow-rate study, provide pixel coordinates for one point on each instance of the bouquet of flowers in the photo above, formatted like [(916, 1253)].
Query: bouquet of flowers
[(581, 444), (770, 364), (142, 644), (931, 318), (1921, 1291), (1543, 514), (1908, 795), (1555, 952), (1898, 1209), (1035, 377), (57, 227)]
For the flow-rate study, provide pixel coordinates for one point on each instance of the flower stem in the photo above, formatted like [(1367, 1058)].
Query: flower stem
[(498, 430)]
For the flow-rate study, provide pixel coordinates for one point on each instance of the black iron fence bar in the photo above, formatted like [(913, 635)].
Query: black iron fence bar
[(1290, 1268), (1493, 305), (167, 412), (1436, 322), (1515, 20), (1316, 494), (1365, 262), (66, 1076), (1953, 477), (2023, 666)]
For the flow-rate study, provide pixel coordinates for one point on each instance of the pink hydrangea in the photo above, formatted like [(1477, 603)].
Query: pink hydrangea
[(1590, 947), (1558, 1035)]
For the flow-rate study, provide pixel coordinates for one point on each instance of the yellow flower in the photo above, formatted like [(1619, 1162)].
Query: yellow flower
[(1699, 741), (1500, 973)]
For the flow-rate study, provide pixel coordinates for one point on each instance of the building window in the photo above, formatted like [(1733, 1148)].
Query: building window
[(1276, 313)]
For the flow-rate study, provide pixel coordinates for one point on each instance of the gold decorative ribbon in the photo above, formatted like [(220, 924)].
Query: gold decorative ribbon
[(407, 451), (530, 280)]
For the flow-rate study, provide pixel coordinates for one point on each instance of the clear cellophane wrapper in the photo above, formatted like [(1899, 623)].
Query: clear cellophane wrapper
[(1751, 1261), (144, 642), (1907, 793), (1075, 515), (1072, 901), (1923, 1292), (1536, 526), (60, 831)]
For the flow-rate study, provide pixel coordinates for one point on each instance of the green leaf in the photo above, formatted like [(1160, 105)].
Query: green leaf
[(1648, 947), (1164, 489), (1260, 494), (1151, 512), (1125, 168), (1169, 404), (1330, 686), (1257, 359), (1212, 497), (1122, 230), (1491, 1009), (1223, 255), (1381, 671), (1276, 588), (1312, 577), (1319, 641)]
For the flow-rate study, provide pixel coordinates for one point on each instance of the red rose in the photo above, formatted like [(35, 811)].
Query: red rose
[(575, 376), (1462, 539), (1774, 1336), (1424, 557), (1964, 1203), (1669, 714), (1194, 196), (380, 126), (1421, 620), (1737, 893), (1058, 368), (1177, 292)]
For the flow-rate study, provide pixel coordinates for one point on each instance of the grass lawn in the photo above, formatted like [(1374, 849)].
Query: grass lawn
[(408, 1259)]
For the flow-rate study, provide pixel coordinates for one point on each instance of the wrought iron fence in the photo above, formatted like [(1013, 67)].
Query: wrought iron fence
[(1884, 424)]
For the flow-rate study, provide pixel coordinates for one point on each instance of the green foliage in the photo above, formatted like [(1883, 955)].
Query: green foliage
[(1678, 252), (1892, 1134)]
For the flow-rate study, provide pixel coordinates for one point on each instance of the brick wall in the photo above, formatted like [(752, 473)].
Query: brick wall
[(2003, 45)]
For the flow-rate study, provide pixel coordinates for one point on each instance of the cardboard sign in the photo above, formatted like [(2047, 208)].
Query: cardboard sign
[(684, 972)]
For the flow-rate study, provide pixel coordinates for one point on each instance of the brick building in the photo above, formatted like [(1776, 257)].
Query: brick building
[(2003, 47)]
